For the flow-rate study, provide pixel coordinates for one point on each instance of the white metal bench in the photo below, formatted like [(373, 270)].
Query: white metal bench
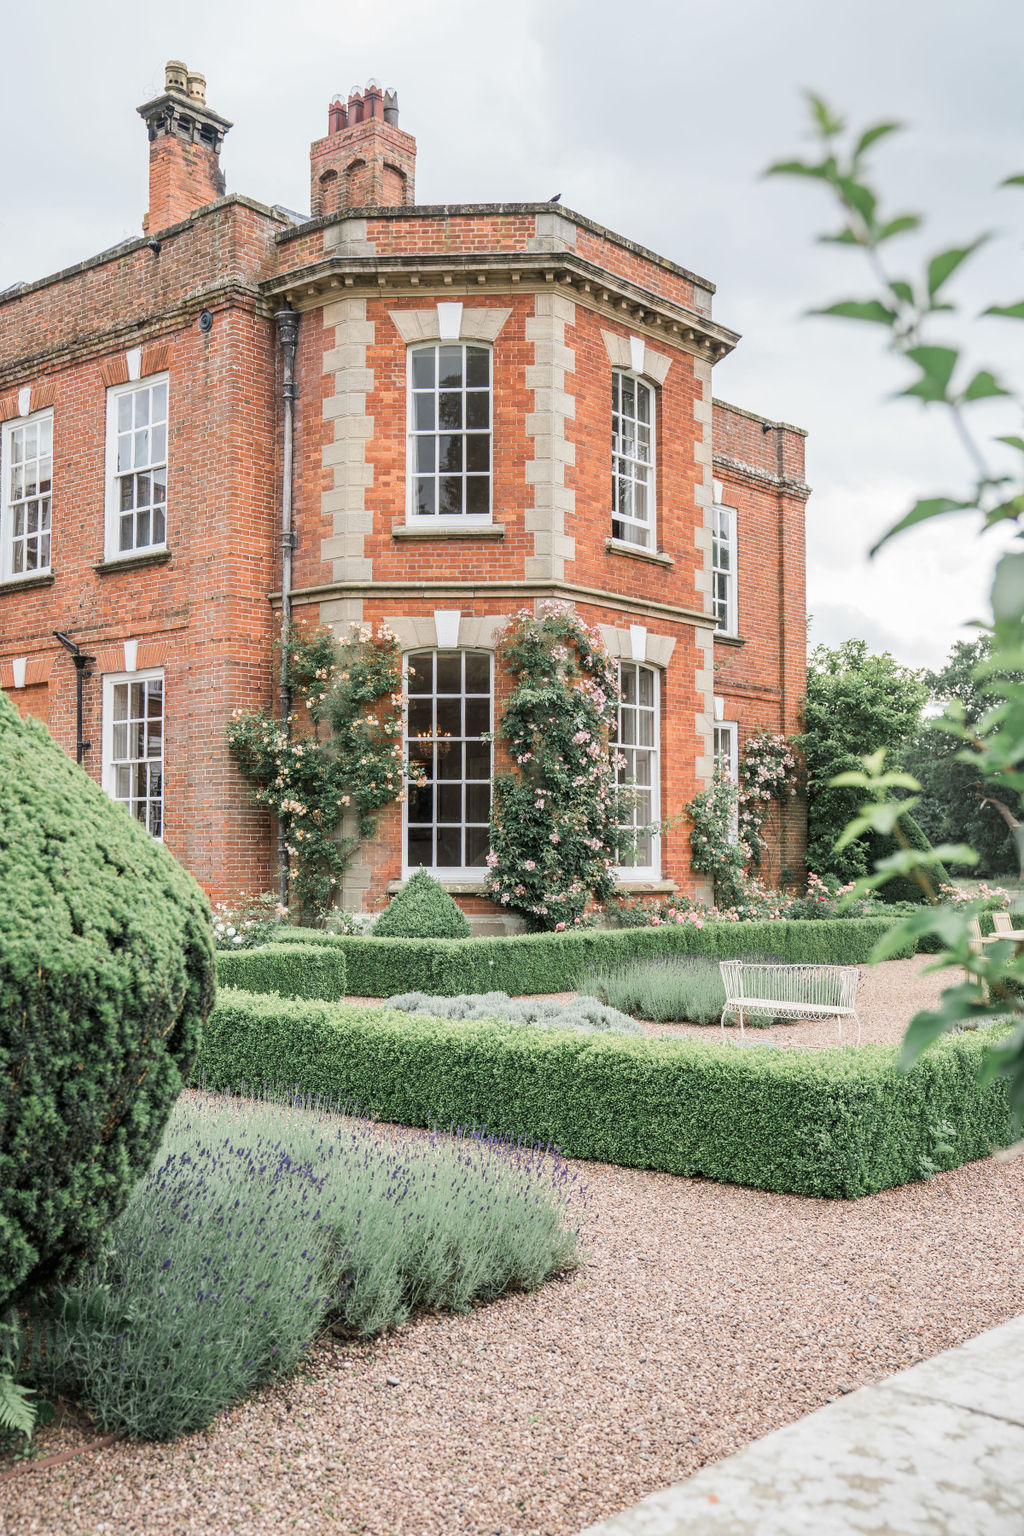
[(790, 992)]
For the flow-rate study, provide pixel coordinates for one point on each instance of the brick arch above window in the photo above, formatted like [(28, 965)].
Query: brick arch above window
[(633, 354), (472, 323)]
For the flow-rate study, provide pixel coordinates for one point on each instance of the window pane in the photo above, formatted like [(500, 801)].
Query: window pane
[(421, 846), (426, 498), (478, 673), (421, 802), (142, 407), (450, 501), (449, 803), (449, 761), (449, 410), (449, 671), (449, 847), (425, 447), (478, 370), (160, 402), (478, 411), (420, 716), (646, 685), (421, 673), (424, 413), (478, 802), (478, 453), (124, 413), (449, 717), (421, 757), (450, 456), (449, 367), (478, 760), (423, 369), (476, 846), (158, 530), (478, 716), (478, 495)]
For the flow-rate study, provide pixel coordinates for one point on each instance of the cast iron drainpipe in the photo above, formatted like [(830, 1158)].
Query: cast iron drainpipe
[(288, 331), (81, 662)]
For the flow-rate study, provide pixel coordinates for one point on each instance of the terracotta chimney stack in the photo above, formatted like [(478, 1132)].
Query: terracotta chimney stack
[(366, 161), (185, 140)]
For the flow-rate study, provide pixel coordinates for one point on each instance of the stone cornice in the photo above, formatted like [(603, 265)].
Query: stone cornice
[(797, 488), (500, 210), (580, 280), (519, 590)]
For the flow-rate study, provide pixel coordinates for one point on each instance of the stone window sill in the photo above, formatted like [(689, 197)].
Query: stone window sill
[(448, 531), (28, 583), (721, 639), (628, 887), (133, 562), (634, 552), (453, 887)]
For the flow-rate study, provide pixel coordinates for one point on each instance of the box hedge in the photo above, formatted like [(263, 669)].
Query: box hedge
[(826, 1123), (293, 970), (106, 975), (557, 962)]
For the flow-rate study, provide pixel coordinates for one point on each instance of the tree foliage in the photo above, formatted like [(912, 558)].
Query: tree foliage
[(941, 377), (957, 803), (857, 701)]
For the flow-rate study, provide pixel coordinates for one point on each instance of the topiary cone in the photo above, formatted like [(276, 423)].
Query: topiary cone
[(422, 909), (106, 975)]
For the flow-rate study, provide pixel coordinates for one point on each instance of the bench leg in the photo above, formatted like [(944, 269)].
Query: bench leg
[(857, 1017), (741, 1023)]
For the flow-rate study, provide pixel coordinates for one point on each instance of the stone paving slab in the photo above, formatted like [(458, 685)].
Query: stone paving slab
[(936, 1451)]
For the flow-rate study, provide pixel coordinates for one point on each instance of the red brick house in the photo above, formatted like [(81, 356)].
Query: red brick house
[(490, 406)]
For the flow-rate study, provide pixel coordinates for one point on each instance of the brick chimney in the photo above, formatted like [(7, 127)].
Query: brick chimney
[(366, 161), (185, 140)]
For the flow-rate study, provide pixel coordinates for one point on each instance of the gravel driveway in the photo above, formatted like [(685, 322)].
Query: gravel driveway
[(707, 1315)]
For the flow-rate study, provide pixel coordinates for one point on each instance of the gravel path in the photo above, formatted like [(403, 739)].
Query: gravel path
[(707, 1315)]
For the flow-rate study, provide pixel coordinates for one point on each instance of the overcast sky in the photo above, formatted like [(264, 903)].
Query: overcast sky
[(656, 120)]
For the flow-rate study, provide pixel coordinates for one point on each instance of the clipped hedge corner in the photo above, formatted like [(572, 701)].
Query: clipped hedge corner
[(825, 1123), (106, 975), (292, 970)]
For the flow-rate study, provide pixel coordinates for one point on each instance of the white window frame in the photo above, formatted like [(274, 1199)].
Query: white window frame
[(445, 874), (448, 519), (652, 871), (635, 463), (113, 511), (7, 571), (726, 749), (724, 577), (110, 682)]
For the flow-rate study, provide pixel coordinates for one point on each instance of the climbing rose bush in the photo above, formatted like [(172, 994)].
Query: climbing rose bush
[(767, 774), (556, 821)]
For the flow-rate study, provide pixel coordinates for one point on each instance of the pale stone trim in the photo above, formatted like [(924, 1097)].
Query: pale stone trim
[(704, 682), (553, 232), (345, 455), (619, 645), (347, 237), (623, 352), (477, 323), (340, 613), (475, 634), (553, 406)]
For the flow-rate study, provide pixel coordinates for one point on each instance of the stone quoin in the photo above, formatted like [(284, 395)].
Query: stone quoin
[(494, 405)]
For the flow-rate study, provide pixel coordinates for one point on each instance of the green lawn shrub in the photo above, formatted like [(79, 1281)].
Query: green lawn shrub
[(189, 1311), (422, 909), (825, 1122), (292, 970), (557, 962), (106, 975)]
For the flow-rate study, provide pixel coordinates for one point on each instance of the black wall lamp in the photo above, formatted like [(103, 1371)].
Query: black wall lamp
[(81, 661)]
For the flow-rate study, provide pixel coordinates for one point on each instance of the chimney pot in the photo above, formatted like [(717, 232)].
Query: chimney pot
[(176, 76), (391, 108), (372, 168), (197, 88)]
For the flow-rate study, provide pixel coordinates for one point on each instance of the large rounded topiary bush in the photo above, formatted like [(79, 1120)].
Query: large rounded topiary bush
[(106, 974)]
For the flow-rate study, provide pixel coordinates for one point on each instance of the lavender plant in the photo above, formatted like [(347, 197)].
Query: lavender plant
[(684, 990), (583, 1013), (258, 1224)]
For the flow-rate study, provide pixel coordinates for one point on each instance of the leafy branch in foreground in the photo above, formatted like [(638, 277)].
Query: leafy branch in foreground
[(906, 307)]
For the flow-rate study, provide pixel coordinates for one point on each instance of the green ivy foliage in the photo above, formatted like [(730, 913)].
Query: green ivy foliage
[(555, 822), (422, 909), (346, 756), (106, 975), (822, 1123)]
